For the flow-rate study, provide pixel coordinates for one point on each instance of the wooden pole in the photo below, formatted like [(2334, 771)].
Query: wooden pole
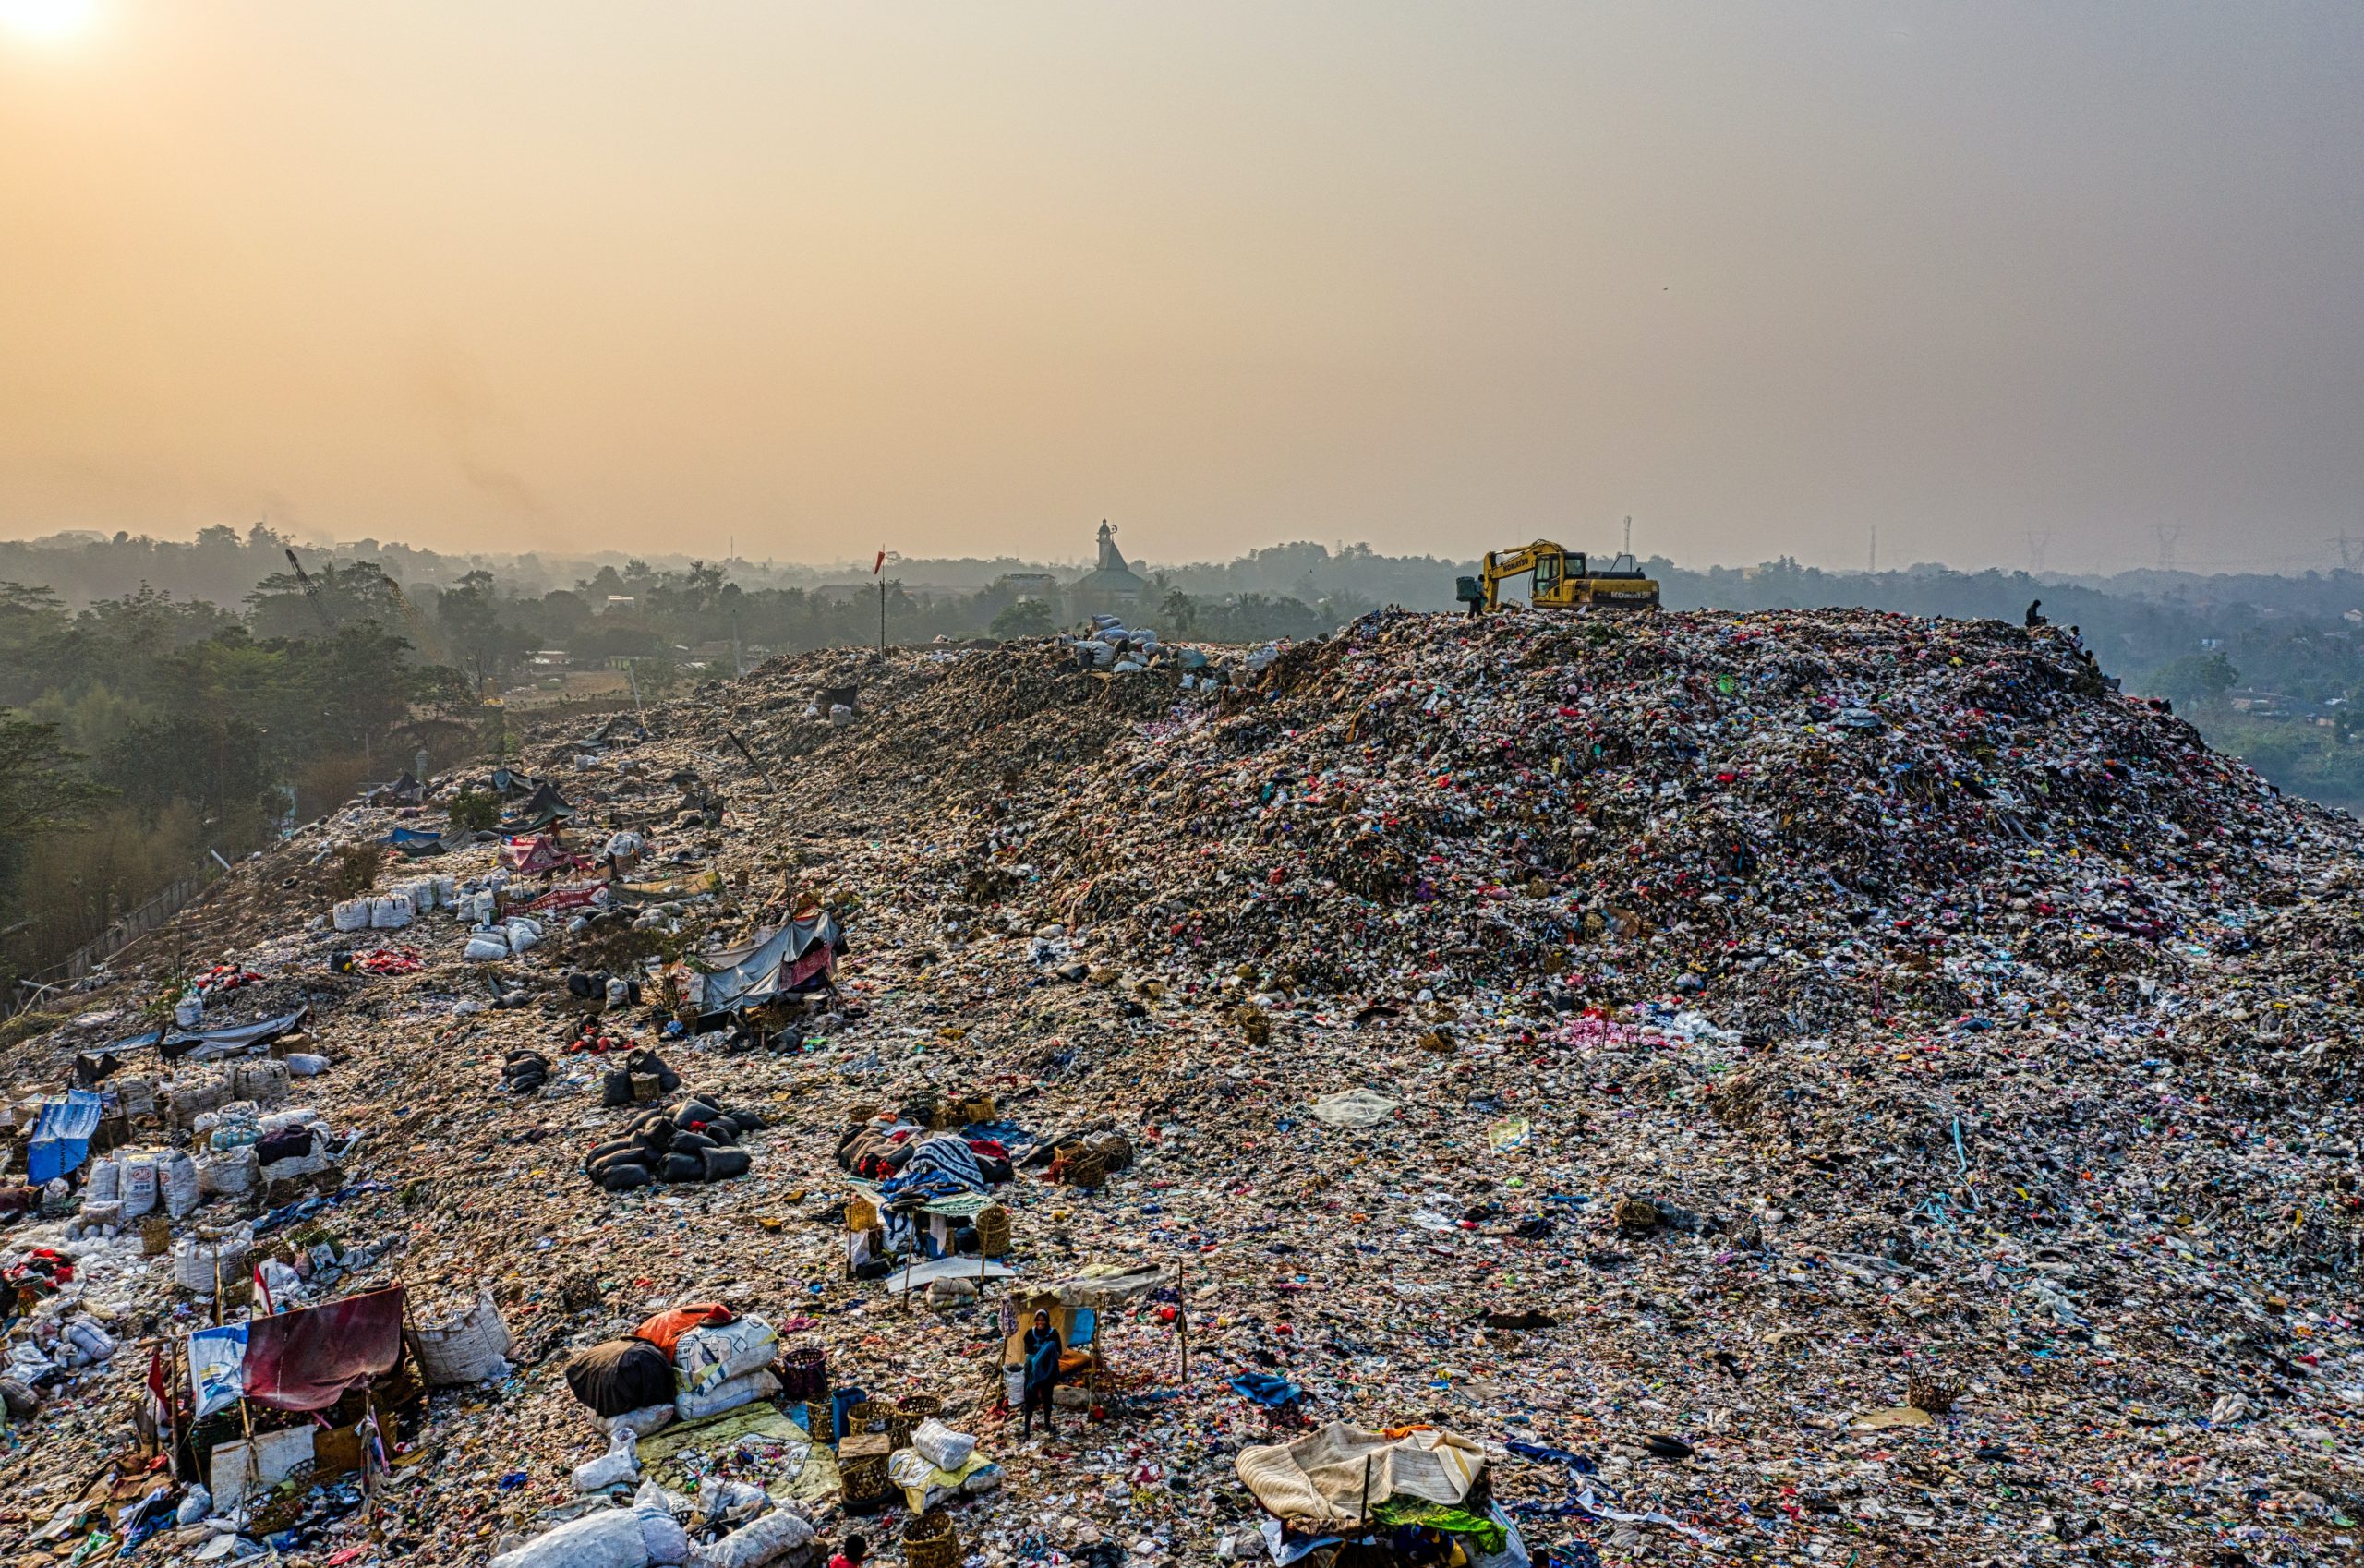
[(173, 1406), (1182, 1318)]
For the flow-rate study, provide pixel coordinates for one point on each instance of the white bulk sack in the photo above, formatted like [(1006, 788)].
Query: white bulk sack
[(178, 1185), (705, 1358), (103, 1184), (726, 1396), (352, 914), (641, 1422), (227, 1175), (389, 913), (759, 1541), (137, 1186), (611, 1538)]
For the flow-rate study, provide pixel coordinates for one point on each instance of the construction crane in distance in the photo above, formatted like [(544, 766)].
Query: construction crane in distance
[(312, 592)]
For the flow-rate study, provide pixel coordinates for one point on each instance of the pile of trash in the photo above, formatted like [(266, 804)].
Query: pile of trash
[(1782, 1088)]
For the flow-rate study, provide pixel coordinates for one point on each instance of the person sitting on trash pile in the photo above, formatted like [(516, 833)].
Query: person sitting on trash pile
[(1044, 1348)]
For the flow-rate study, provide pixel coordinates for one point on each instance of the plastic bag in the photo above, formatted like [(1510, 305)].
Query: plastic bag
[(620, 1462), (104, 1184), (940, 1446)]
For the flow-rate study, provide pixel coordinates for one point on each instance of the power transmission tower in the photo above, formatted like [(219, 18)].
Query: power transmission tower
[(2347, 546), (2167, 534), (2035, 551), (1629, 534), (1872, 569)]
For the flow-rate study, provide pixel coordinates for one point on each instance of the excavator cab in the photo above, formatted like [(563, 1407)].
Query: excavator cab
[(1562, 579)]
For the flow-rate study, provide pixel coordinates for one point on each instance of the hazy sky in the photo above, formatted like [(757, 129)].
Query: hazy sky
[(969, 278)]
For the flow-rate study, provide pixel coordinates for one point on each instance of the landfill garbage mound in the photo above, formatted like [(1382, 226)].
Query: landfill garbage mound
[(1792, 1087), (1792, 819)]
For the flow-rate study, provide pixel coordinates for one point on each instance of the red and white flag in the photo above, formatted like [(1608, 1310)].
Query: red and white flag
[(879, 565), (159, 1401)]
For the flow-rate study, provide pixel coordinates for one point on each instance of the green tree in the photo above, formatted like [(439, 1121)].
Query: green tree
[(2196, 680), (40, 790), (1027, 618), (1179, 612)]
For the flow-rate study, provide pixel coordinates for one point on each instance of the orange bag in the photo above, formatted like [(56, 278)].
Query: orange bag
[(665, 1330)]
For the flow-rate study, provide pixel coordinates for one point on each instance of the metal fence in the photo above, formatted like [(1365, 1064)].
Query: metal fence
[(128, 928)]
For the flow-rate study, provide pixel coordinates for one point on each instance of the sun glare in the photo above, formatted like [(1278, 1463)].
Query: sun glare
[(48, 22)]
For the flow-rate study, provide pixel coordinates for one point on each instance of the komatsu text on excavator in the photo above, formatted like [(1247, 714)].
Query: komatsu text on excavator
[(1562, 579)]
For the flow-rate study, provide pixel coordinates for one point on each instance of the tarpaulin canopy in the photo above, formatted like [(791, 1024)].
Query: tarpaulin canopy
[(61, 1140), (777, 963), (308, 1358), (1104, 1284), (419, 844), (1324, 1479), (205, 1043)]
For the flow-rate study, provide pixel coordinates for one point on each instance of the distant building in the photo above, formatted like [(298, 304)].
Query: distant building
[(1110, 588), (1024, 585)]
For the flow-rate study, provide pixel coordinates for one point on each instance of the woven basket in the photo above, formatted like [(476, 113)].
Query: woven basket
[(979, 1108), (865, 1484), (929, 1541), (861, 1213), (465, 1350), (899, 1432), (155, 1236), (819, 1422), (1087, 1168), (993, 1231), (917, 1407), (804, 1372), (870, 1416), (1935, 1395)]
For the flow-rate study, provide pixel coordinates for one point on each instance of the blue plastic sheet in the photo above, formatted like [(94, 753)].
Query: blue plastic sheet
[(61, 1140)]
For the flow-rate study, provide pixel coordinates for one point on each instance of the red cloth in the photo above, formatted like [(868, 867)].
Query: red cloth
[(308, 1358), (665, 1330)]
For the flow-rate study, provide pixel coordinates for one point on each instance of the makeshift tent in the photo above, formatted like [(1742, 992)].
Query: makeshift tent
[(798, 957), (61, 1140), (310, 1358), (544, 857), (544, 806), (1332, 1477), (1075, 1305), (403, 791), (508, 782)]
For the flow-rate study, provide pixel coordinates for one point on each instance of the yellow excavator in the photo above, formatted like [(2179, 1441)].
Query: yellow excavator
[(1564, 579)]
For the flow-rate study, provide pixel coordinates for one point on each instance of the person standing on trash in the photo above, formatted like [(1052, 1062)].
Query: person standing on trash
[(1044, 1348)]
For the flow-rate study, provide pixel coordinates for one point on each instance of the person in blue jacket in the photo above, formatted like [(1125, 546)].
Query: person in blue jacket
[(1042, 1350)]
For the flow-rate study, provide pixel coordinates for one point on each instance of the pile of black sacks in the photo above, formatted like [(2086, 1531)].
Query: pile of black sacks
[(694, 1141)]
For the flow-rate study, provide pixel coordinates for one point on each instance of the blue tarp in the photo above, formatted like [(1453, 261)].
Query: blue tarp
[(60, 1139)]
